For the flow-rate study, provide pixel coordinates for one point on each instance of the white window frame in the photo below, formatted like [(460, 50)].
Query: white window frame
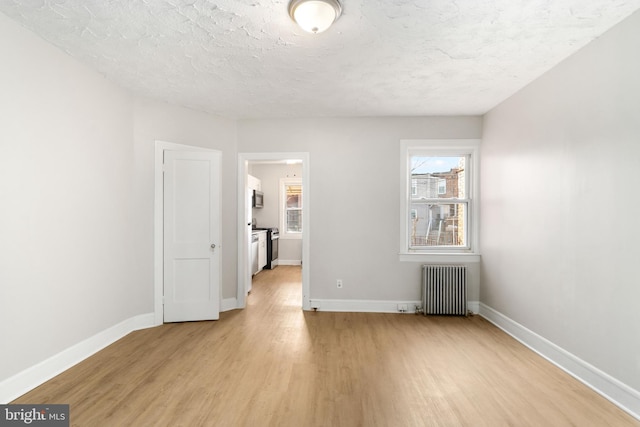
[(282, 212), (440, 181), (440, 147)]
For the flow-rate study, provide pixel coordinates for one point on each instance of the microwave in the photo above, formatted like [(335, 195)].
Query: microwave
[(258, 199)]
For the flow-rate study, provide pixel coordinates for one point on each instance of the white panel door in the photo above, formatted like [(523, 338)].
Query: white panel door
[(191, 236)]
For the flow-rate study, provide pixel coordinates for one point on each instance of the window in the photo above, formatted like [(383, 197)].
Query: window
[(291, 208), (439, 216)]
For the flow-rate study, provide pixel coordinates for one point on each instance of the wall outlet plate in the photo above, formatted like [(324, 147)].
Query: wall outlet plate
[(339, 283)]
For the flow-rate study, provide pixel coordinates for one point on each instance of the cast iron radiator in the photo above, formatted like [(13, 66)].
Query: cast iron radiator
[(444, 289)]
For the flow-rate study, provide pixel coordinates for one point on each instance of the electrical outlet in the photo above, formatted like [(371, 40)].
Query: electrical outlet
[(402, 308), (339, 283)]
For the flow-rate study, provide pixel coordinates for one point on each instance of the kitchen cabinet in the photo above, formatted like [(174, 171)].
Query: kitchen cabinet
[(254, 254), (258, 251), (262, 249)]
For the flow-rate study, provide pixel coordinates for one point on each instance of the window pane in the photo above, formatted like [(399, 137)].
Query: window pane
[(294, 221), (438, 177), (294, 196), (437, 224)]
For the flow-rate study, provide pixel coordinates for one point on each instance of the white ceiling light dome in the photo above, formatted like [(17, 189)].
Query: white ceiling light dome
[(315, 16)]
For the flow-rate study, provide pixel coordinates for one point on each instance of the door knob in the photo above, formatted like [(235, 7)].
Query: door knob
[(213, 246)]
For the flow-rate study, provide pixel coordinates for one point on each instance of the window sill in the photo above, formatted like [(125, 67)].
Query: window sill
[(297, 236), (440, 257)]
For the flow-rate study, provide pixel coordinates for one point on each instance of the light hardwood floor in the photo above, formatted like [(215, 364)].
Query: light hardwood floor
[(274, 365)]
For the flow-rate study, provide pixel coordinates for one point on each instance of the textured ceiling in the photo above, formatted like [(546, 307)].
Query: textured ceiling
[(247, 59)]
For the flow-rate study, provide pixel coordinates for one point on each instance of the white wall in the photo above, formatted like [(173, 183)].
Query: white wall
[(68, 253), (76, 198), (269, 216), (560, 162), (355, 191)]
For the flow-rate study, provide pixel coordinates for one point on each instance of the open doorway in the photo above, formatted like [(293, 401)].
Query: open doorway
[(274, 177)]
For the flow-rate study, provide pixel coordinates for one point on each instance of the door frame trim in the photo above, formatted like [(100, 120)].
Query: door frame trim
[(158, 222), (244, 274)]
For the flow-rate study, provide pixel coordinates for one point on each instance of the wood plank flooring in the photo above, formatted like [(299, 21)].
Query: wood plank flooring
[(274, 365)]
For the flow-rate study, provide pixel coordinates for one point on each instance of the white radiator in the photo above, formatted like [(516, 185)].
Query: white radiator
[(444, 289)]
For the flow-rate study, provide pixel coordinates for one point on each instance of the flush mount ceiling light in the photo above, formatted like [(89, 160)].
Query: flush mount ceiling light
[(314, 16)]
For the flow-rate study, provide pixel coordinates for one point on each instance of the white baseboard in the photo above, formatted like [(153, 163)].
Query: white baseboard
[(362, 306), (372, 306), (30, 378), (229, 304), (289, 262), (473, 306), (614, 390)]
